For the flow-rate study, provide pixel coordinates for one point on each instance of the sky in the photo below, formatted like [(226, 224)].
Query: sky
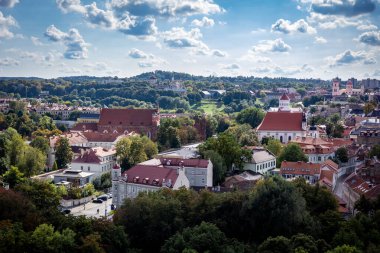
[(277, 38)]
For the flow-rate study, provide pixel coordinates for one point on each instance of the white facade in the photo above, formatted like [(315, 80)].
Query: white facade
[(282, 136), (320, 158), (200, 177), (262, 161)]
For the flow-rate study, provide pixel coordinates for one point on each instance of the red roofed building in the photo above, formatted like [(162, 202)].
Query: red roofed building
[(142, 121), (310, 171), (283, 125), (145, 178)]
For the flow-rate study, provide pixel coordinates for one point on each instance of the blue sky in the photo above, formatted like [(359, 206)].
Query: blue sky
[(295, 38)]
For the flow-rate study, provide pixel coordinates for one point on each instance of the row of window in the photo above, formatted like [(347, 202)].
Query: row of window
[(265, 165)]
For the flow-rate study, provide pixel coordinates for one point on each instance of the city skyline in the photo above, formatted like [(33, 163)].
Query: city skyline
[(300, 39)]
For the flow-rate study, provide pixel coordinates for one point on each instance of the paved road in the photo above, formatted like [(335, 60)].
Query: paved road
[(339, 185), (91, 209)]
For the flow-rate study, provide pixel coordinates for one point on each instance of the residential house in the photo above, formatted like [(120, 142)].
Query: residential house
[(262, 161), (77, 178), (309, 171)]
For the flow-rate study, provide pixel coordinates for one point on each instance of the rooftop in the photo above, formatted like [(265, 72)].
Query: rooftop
[(282, 121)]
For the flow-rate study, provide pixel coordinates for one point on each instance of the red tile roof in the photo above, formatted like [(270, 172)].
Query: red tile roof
[(88, 157), (300, 168), (85, 127), (101, 137), (151, 175), (281, 121), (360, 186), (284, 97), (127, 117), (333, 166), (198, 163)]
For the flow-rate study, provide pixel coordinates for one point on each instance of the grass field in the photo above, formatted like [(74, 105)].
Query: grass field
[(208, 106)]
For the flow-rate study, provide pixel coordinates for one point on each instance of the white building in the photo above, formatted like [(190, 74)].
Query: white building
[(316, 149), (75, 177), (309, 171), (145, 178), (95, 160), (261, 162)]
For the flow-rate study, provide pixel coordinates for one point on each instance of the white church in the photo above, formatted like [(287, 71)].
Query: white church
[(283, 123)]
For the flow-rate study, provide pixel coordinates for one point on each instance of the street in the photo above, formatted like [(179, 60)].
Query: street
[(339, 185), (91, 209)]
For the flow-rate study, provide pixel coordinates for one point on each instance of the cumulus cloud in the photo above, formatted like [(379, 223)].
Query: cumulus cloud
[(152, 62), (137, 54), (366, 27), (219, 53), (332, 21), (348, 8), (370, 61), (36, 41), (70, 6), (8, 3), (348, 57), (165, 8), (142, 28), (178, 37), (99, 17), (320, 40), (76, 47), (285, 26), (204, 22), (8, 62), (277, 45), (370, 38), (232, 66), (5, 23)]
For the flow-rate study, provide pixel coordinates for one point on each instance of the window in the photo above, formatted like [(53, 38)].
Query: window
[(88, 168), (81, 167)]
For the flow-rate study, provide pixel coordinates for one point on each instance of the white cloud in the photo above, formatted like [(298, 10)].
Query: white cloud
[(152, 62), (366, 27), (277, 45), (285, 26), (70, 6), (8, 3), (204, 22), (8, 62), (5, 24), (36, 41), (137, 54), (370, 38), (142, 28), (370, 61), (178, 37), (165, 8), (219, 53), (332, 21), (232, 66), (99, 17), (320, 40), (76, 47), (348, 8), (348, 57)]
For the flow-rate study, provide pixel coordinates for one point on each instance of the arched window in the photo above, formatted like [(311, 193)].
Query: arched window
[(289, 138), (281, 139)]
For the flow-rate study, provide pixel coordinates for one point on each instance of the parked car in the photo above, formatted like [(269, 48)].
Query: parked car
[(99, 201), (103, 197), (109, 195), (66, 211)]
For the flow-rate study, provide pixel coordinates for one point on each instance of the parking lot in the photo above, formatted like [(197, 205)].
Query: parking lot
[(93, 209)]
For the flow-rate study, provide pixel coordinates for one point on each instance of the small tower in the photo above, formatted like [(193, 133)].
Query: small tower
[(349, 87), (116, 176), (362, 90), (284, 103), (335, 87)]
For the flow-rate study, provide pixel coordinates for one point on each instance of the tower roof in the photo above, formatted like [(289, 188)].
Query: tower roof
[(284, 97)]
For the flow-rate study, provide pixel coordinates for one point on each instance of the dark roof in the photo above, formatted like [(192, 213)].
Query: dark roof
[(281, 121), (284, 97), (101, 137), (130, 117)]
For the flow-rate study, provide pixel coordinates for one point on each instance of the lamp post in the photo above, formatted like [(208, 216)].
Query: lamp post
[(105, 208)]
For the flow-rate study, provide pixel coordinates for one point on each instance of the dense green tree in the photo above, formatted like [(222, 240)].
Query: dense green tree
[(150, 147), (205, 237), (292, 153), (274, 146), (344, 249), (279, 244), (244, 135), (252, 116), (218, 166), (32, 162), (305, 242), (278, 201), (13, 176), (63, 152), (341, 154), (41, 143), (228, 148), (375, 151)]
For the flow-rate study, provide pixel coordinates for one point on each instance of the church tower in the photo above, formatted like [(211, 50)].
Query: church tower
[(284, 103), (335, 87), (116, 176), (349, 87)]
